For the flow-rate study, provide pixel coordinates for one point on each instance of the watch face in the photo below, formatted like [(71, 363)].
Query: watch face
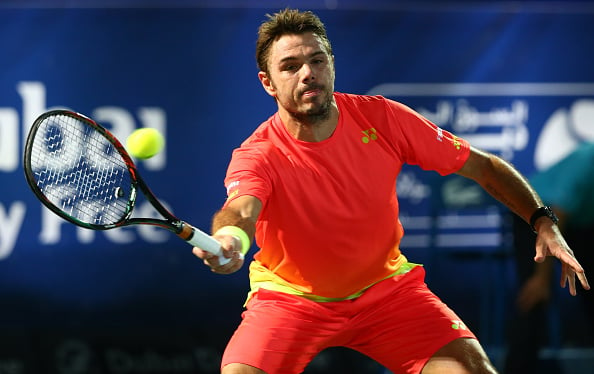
[(551, 214)]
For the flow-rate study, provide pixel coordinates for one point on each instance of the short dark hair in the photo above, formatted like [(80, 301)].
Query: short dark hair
[(287, 21)]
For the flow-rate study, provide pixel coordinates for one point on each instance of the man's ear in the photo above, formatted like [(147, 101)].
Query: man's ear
[(267, 83)]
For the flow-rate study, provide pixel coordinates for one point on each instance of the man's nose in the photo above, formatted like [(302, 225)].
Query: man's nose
[(307, 73)]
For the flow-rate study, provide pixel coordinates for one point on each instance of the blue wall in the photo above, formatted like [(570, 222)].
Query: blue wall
[(516, 80)]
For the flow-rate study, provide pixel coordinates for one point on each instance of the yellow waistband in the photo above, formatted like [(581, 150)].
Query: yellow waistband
[(286, 288)]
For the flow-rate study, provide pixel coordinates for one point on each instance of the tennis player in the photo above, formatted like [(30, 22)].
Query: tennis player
[(315, 185)]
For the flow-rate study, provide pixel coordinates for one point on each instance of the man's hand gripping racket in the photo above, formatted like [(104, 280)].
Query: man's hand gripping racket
[(82, 173)]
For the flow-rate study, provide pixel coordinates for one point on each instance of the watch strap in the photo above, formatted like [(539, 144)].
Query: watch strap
[(543, 211)]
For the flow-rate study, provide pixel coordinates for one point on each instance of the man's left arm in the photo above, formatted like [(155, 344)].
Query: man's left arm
[(502, 181)]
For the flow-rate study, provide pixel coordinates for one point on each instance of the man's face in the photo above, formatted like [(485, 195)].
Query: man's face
[(301, 76)]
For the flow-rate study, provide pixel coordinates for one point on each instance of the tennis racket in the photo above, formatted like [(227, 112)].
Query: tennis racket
[(82, 173)]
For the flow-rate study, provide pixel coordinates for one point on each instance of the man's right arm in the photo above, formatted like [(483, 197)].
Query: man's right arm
[(234, 227), (242, 212)]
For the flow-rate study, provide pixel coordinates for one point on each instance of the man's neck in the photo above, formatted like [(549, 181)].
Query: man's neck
[(311, 132)]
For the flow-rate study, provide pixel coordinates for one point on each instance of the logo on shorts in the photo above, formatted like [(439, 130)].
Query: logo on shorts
[(458, 325)]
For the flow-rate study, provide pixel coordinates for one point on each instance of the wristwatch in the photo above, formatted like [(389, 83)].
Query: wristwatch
[(543, 211)]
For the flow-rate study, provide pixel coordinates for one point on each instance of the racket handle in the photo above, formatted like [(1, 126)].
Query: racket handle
[(202, 240)]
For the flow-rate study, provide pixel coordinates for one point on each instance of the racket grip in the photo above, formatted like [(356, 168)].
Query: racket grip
[(202, 240)]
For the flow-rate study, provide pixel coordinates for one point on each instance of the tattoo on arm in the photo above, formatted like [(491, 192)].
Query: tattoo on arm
[(499, 196)]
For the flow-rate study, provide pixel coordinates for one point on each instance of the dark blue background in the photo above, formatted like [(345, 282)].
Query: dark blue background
[(195, 62)]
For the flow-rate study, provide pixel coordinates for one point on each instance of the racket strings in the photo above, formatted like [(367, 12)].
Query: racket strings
[(79, 171)]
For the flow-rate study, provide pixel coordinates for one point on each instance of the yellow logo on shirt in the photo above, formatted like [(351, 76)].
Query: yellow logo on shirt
[(458, 325), (456, 142), (370, 134)]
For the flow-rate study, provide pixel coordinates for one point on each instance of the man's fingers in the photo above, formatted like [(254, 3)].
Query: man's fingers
[(228, 245), (575, 269), (568, 275), (540, 254), (583, 280), (229, 267), (199, 252), (571, 279)]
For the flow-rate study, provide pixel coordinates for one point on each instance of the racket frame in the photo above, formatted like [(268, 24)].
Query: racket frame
[(171, 223)]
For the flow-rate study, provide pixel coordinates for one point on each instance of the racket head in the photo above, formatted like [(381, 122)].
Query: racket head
[(79, 170)]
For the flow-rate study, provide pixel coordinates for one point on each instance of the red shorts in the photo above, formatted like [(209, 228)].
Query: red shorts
[(398, 322)]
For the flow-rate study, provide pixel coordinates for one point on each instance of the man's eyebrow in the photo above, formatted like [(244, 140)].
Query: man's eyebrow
[(292, 58), (288, 58)]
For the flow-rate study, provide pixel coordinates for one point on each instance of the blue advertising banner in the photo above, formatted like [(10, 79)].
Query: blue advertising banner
[(513, 80)]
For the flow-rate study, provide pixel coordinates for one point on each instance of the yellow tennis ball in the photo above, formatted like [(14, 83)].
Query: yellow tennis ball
[(145, 143)]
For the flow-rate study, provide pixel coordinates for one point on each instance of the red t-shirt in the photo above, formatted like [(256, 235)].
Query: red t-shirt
[(329, 225)]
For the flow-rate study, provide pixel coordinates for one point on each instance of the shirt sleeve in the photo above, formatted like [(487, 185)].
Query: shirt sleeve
[(247, 175), (425, 144)]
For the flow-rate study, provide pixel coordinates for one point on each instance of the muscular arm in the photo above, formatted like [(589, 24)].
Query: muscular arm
[(241, 212), (503, 182), (506, 184)]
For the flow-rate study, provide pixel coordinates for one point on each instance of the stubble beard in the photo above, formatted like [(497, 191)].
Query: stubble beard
[(316, 115)]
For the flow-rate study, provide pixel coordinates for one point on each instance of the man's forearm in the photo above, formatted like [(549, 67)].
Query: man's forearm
[(502, 181), (230, 217)]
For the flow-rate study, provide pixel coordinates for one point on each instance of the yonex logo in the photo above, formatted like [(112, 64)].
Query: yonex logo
[(370, 134), (458, 325), (456, 142)]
